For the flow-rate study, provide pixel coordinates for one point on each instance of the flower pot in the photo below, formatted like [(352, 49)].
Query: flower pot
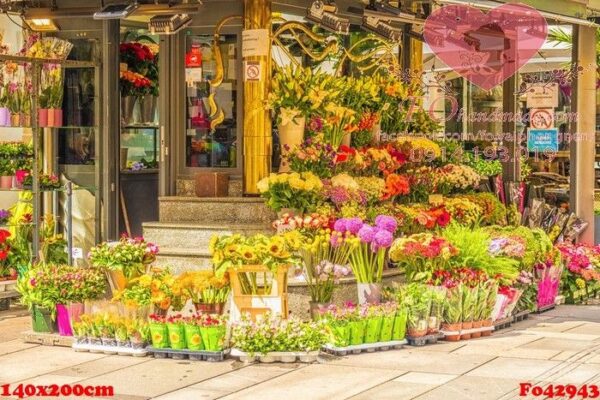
[(291, 134), (56, 116), (135, 344), (476, 335), (43, 117), (376, 133), (159, 335), (127, 106), (369, 293), (341, 332), (357, 332), (123, 343), (6, 182), (62, 320), (466, 325), (205, 308), (316, 309), (193, 339), (213, 337), (26, 120), (486, 323), (399, 330), (387, 327), (109, 341), (373, 330), (148, 109), (118, 280), (4, 116), (176, 336), (15, 119), (452, 328), (41, 320), (416, 332)]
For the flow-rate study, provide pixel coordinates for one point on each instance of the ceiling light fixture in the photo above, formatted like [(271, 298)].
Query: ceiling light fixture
[(381, 28), (323, 14), (116, 11), (41, 24), (168, 24)]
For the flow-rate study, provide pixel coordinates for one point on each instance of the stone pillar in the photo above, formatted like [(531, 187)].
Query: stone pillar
[(258, 143), (583, 145)]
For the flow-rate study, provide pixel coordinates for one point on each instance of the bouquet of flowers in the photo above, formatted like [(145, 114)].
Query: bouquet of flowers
[(204, 287), (310, 223), (453, 178), (338, 123), (370, 244), (134, 84), (581, 274), (131, 256), (301, 192), (421, 254), (158, 288), (325, 258), (76, 285), (234, 251), (6, 269), (463, 211), (311, 156)]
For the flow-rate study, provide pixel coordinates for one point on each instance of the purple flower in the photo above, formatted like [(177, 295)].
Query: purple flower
[(340, 225), (383, 238), (4, 215), (366, 234), (387, 223), (354, 225)]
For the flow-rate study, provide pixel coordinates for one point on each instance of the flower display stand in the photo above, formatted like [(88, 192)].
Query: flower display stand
[(503, 323), (276, 356), (468, 332), (419, 341), (272, 297), (109, 350), (365, 347), (192, 355)]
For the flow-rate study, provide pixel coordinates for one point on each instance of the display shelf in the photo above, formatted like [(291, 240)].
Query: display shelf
[(140, 126)]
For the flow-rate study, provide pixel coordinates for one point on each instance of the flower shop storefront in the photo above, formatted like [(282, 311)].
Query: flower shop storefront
[(373, 233)]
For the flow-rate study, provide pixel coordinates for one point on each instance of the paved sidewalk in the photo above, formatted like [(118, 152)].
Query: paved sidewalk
[(561, 346)]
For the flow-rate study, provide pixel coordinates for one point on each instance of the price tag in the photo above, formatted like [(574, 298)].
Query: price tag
[(76, 253)]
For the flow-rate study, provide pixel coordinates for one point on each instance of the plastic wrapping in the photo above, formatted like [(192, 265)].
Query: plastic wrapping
[(536, 213)]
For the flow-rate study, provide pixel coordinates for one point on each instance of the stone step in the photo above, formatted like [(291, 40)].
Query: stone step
[(225, 210), (181, 260), (194, 236)]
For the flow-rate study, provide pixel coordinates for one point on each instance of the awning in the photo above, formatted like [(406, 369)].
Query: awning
[(489, 4)]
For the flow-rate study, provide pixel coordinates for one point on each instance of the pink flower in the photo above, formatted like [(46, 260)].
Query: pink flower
[(366, 234)]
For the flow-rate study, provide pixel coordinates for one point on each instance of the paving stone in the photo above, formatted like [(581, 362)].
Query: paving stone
[(471, 388), (158, 377), (101, 366), (513, 368), (591, 328), (40, 360), (565, 355), (577, 374), (394, 391), (50, 379), (425, 378), (317, 382), (559, 344), (192, 394), (13, 346), (416, 360), (540, 354)]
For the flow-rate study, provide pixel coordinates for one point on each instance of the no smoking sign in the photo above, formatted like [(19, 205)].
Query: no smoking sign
[(252, 71)]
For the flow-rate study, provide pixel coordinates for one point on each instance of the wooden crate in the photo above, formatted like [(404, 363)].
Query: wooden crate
[(276, 300)]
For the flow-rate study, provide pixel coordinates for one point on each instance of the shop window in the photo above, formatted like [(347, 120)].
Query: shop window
[(211, 114)]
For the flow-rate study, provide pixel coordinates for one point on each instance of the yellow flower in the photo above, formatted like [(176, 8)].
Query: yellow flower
[(145, 280), (263, 185)]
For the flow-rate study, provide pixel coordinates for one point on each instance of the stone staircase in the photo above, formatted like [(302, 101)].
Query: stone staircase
[(187, 223)]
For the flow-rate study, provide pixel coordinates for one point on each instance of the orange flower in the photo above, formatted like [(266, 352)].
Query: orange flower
[(395, 185)]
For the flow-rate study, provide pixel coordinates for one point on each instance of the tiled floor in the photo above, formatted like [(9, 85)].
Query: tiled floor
[(561, 346)]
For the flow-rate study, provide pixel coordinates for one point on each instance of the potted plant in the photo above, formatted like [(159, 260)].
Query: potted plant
[(207, 291), (138, 332), (325, 262), (399, 330), (212, 331), (126, 259), (8, 274), (298, 192), (176, 332), (437, 297), (75, 286), (338, 319), (39, 293), (193, 339), (6, 172), (453, 313), (158, 332), (368, 253)]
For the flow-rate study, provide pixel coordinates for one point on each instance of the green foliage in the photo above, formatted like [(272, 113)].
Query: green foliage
[(472, 245)]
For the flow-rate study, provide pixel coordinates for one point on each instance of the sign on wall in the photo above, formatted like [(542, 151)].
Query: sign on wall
[(255, 42), (542, 95), (252, 71), (541, 118), (542, 140)]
